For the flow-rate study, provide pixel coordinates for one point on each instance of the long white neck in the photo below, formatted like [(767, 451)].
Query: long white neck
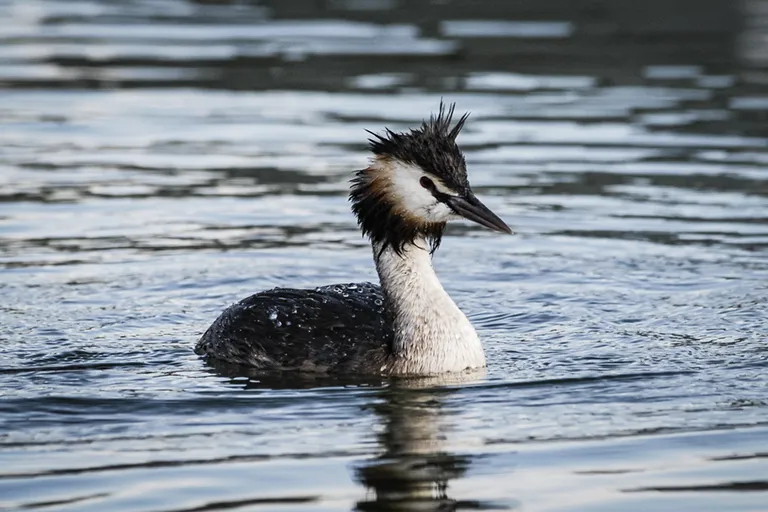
[(431, 334)]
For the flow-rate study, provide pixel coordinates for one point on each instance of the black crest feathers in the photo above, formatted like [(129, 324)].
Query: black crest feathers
[(441, 124), (432, 147)]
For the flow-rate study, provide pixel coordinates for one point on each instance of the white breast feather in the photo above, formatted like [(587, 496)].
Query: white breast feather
[(432, 335)]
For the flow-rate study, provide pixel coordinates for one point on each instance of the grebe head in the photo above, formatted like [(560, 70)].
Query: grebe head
[(416, 182)]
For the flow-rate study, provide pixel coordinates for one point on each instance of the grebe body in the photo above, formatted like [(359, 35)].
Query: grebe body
[(415, 183)]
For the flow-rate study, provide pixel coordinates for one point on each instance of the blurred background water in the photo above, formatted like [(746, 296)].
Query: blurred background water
[(161, 159)]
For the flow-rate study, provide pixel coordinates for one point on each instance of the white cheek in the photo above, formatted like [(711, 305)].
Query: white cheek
[(408, 192), (439, 212), (412, 196)]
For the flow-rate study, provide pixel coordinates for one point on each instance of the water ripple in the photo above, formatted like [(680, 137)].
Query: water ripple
[(161, 160)]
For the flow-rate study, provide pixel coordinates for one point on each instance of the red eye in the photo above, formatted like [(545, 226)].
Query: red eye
[(426, 183)]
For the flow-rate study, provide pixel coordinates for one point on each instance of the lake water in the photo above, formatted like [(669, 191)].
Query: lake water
[(160, 160)]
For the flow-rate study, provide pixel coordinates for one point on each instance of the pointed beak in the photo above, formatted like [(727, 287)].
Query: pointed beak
[(471, 208)]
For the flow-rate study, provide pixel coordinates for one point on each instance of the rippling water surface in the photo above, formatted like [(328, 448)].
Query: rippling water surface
[(160, 160)]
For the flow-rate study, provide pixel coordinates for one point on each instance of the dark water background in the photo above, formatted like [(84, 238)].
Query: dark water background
[(162, 159)]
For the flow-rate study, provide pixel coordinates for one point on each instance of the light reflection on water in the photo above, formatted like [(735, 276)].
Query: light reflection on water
[(160, 160)]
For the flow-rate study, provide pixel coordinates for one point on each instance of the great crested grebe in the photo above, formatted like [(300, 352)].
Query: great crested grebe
[(415, 183)]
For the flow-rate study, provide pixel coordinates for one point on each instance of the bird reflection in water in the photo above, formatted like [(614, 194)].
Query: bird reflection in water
[(413, 471)]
